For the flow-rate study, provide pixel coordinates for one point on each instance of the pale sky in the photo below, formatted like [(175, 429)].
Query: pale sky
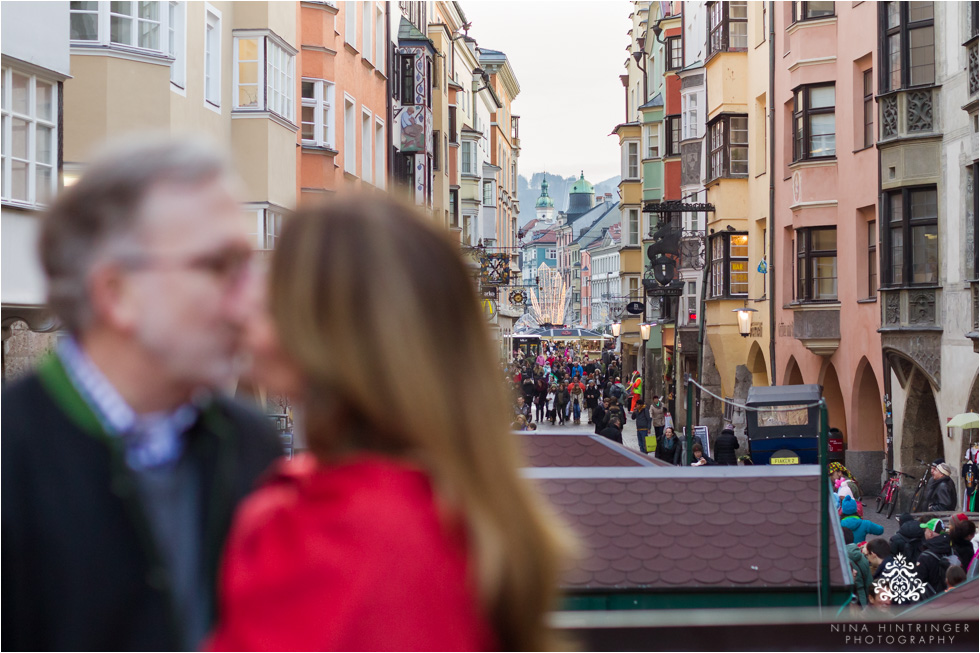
[(568, 57)]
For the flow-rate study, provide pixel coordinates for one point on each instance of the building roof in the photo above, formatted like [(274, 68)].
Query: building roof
[(409, 32), (553, 450), (582, 186), (657, 101), (958, 603), (664, 529), (604, 215)]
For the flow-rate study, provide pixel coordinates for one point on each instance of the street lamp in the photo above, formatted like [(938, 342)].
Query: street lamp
[(616, 326), (645, 332), (744, 320)]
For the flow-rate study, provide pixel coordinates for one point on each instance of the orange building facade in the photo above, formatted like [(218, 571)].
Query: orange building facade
[(342, 143)]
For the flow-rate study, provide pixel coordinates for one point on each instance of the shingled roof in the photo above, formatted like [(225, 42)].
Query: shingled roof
[(553, 450), (663, 529)]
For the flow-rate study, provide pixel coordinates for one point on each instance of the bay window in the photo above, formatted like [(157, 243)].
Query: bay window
[(812, 10), (908, 51), (131, 24), (912, 237), (653, 143), (631, 167), (30, 138), (816, 264), (729, 271), (263, 74), (690, 116), (814, 124), (727, 27), (317, 114), (467, 163), (633, 227), (728, 146)]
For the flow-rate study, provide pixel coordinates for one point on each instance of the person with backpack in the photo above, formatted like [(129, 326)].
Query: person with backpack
[(934, 559), (909, 539), (860, 569), (860, 527), (725, 447), (618, 390)]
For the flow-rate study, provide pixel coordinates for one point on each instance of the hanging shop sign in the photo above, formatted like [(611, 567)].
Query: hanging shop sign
[(488, 293), (634, 308)]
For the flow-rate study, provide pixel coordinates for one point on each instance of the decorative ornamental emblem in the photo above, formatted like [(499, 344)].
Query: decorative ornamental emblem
[(495, 270), (517, 297), (899, 582)]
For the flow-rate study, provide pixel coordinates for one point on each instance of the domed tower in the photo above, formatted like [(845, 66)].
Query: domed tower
[(582, 196), (544, 208)]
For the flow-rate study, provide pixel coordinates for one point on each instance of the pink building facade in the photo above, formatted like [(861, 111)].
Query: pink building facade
[(825, 219)]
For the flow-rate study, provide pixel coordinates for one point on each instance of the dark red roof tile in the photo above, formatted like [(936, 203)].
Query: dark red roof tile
[(686, 531), (550, 450)]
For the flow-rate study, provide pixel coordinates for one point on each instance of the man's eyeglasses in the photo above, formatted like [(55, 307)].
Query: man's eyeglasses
[(226, 267)]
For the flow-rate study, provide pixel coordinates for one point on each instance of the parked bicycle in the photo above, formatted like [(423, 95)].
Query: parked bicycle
[(889, 494), (920, 489)]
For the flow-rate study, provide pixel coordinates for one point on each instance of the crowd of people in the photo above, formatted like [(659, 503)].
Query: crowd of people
[(937, 552)]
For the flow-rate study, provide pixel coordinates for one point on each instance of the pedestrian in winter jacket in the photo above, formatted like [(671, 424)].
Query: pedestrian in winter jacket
[(941, 490), (725, 447), (909, 539), (599, 415), (613, 431), (669, 448), (860, 527), (641, 415), (933, 561), (657, 416)]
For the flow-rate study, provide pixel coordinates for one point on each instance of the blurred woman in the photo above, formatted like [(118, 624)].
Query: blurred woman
[(405, 527)]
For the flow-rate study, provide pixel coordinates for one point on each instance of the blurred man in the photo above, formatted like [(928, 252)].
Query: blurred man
[(941, 490), (122, 465)]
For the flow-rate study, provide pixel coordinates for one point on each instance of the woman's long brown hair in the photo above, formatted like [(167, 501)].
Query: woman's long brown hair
[(380, 312)]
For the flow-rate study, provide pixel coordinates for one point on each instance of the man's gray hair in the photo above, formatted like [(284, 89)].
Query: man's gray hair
[(100, 212)]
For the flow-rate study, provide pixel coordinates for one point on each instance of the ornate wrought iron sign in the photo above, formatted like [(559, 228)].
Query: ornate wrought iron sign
[(495, 269), (676, 206), (518, 297)]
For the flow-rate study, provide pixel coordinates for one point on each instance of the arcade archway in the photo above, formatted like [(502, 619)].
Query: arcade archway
[(922, 436), (866, 411), (793, 376)]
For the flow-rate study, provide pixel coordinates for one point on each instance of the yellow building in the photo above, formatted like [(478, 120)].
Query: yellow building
[(736, 79), (225, 69)]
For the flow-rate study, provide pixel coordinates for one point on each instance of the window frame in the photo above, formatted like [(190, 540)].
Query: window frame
[(722, 29), (103, 27), (367, 145), (903, 30), (905, 226), (628, 165), (32, 119), (801, 126), (674, 134), (869, 108), (806, 255), (633, 220), (350, 135), (724, 149), (801, 11), (324, 113), (212, 57), (407, 95), (872, 258), (177, 29), (675, 55), (380, 148), (272, 52), (721, 243)]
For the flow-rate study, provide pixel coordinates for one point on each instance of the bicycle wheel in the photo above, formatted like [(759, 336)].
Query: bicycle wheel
[(880, 500), (892, 502), (916, 498)]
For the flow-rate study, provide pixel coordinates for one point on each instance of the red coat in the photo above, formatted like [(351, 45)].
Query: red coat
[(347, 557)]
